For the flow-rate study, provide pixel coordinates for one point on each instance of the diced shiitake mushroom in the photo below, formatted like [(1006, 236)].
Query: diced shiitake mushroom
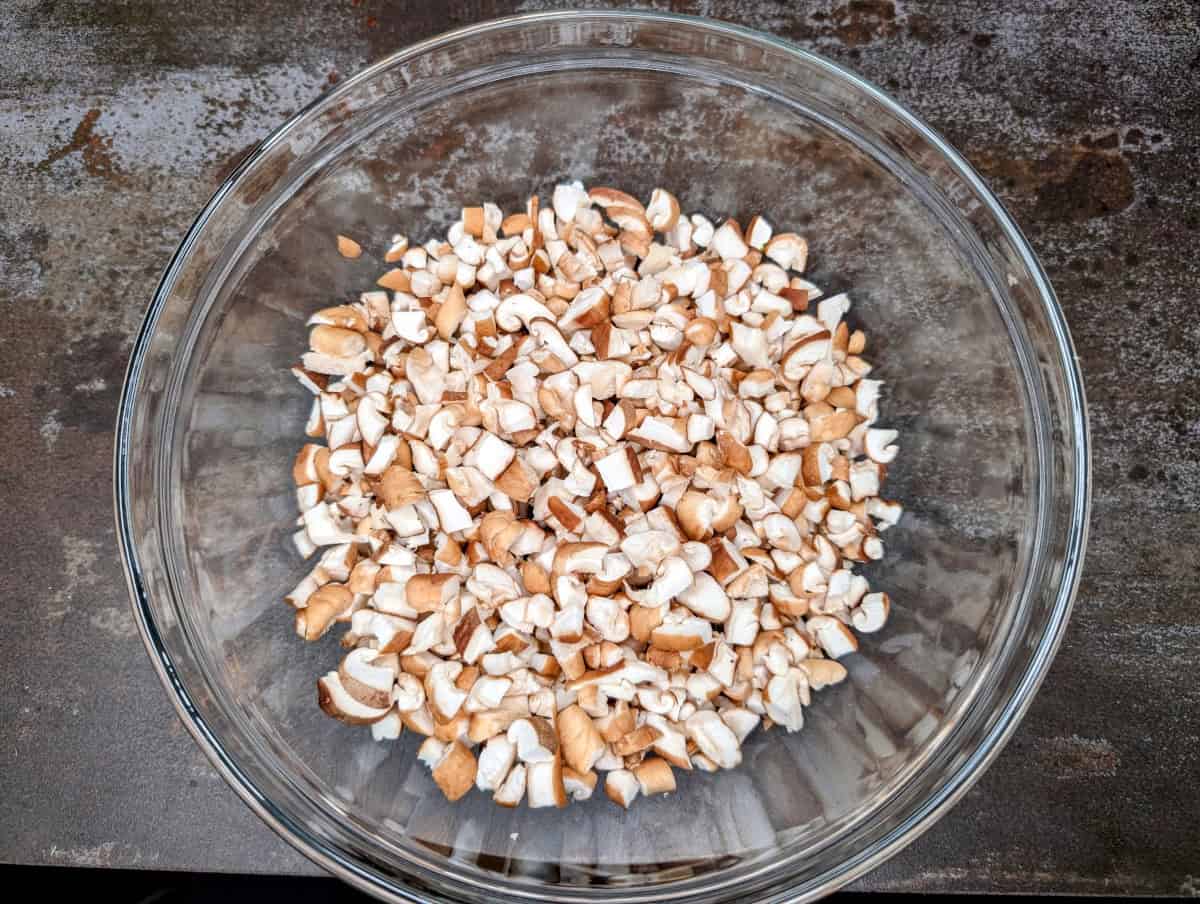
[(588, 483)]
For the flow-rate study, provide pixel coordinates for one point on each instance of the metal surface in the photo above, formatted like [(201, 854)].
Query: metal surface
[(118, 120)]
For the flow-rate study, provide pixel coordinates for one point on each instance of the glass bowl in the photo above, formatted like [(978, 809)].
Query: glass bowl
[(981, 380)]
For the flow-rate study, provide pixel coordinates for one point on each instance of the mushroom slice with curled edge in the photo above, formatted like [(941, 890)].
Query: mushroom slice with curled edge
[(878, 445), (336, 701), (366, 679), (871, 614), (544, 783)]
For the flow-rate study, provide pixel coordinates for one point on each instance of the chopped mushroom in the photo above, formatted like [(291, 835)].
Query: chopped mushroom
[(654, 776), (544, 784), (495, 761), (335, 700), (455, 771), (869, 616), (589, 483), (622, 787)]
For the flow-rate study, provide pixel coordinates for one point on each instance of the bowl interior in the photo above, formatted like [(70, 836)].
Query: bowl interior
[(941, 299)]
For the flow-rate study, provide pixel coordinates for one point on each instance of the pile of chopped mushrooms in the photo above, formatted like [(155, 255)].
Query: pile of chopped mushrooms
[(589, 484)]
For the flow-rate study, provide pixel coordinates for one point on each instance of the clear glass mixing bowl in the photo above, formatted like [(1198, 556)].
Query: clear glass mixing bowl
[(982, 382)]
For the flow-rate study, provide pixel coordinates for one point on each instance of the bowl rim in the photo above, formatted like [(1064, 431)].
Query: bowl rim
[(1006, 721)]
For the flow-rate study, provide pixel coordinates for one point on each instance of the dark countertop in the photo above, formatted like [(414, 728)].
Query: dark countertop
[(118, 119)]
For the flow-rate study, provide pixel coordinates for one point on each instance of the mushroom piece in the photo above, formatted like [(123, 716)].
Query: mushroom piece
[(519, 310), (431, 592), (662, 211), (656, 433), (609, 620), (685, 634), (706, 598), (618, 469), (408, 694), (788, 250), (871, 614), (419, 720), (727, 241), (622, 787), (582, 744), (490, 455), (389, 728), (670, 743), (544, 784), (741, 722), (579, 786), (444, 695), (714, 738), (336, 701), (750, 343), (833, 636), (495, 762), (512, 791), (431, 752), (383, 631), (654, 776), (579, 558), (455, 771), (877, 445), (452, 516), (534, 739), (672, 578), (364, 680), (323, 607), (822, 673), (782, 700)]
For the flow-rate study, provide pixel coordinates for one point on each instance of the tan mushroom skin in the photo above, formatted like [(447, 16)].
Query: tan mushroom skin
[(588, 484)]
